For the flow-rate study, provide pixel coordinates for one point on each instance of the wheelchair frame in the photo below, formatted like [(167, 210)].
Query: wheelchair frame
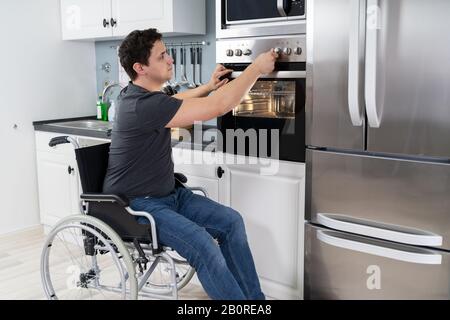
[(113, 242)]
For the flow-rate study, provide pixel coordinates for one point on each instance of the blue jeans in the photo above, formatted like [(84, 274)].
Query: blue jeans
[(190, 223)]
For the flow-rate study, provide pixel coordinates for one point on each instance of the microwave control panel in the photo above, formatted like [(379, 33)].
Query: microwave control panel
[(245, 50)]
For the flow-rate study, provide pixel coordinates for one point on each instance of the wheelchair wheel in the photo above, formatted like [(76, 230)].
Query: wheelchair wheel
[(160, 281), (83, 258)]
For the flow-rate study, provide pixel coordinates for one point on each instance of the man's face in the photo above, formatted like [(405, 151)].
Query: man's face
[(160, 64)]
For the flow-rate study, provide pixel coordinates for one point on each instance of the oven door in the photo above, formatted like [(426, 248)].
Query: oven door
[(271, 117), (252, 11)]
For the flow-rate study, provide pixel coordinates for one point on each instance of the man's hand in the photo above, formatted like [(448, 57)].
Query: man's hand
[(214, 83), (265, 62)]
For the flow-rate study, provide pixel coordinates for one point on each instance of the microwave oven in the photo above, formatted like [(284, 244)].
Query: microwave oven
[(251, 18)]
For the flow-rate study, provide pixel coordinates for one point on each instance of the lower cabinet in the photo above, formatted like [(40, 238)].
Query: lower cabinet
[(271, 202), (270, 197)]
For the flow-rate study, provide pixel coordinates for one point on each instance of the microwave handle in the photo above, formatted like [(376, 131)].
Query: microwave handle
[(378, 230), (283, 7), (354, 65), (427, 257), (373, 24)]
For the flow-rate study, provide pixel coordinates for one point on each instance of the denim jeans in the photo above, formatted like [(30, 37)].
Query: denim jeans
[(210, 236)]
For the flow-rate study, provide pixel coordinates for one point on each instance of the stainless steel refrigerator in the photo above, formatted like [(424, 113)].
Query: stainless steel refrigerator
[(378, 155)]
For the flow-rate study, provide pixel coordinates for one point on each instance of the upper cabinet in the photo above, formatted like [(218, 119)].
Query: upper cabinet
[(114, 19)]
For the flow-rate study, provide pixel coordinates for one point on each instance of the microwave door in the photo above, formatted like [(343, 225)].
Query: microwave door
[(335, 65), (407, 77)]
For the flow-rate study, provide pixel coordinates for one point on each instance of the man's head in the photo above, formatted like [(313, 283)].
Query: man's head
[(143, 55)]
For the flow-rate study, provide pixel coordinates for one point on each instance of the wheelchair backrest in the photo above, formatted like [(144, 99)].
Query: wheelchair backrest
[(92, 164)]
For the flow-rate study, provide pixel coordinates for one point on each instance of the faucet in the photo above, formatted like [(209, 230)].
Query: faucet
[(109, 87)]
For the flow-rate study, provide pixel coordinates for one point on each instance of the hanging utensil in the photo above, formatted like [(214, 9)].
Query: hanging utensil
[(184, 81), (175, 83), (199, 65), (192, 84)]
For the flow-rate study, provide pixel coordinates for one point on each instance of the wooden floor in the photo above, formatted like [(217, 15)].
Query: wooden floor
[(19, 268)]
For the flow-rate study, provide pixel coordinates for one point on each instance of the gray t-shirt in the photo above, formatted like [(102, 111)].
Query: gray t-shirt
[(140, 156)]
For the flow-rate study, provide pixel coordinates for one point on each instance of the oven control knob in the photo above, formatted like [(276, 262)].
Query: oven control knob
[(287, 51), (277, 50), (230, 52), (298, 51), (247, 52), (238, 52)]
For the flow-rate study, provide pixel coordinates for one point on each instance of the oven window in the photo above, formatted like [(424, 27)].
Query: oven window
[(269, 99)]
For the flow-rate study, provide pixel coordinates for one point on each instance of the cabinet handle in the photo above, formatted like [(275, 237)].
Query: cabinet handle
[(113, 22), (220, 172), (70, 170), (105, 23)]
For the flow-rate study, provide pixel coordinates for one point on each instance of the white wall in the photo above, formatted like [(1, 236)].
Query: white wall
[(41, 77)]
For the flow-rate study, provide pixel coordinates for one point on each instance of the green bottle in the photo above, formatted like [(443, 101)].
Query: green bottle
[(99, 108), (105, 107)]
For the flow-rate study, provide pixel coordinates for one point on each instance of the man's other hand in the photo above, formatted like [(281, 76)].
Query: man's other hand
[(215, 82)]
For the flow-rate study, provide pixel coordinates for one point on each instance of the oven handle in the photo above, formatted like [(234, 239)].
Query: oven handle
[(277, 74)]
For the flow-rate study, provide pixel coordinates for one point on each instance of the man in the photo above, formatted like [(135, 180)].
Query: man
[(141, 168)]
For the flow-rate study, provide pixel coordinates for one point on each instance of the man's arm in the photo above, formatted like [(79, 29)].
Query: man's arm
[(225, 98), (204, 90)]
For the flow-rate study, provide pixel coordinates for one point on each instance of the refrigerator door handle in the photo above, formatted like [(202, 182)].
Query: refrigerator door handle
[(379, 230), (420, 256), (373, 24), (354, 69)]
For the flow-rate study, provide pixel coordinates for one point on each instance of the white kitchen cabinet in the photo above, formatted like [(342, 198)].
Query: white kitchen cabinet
[(58, 179), (114, 19), (199, 174), (273, 210)]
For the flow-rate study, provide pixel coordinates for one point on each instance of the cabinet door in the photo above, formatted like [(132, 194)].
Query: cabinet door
[(141, 14), (58, 186), (83, 19), (273, 211)]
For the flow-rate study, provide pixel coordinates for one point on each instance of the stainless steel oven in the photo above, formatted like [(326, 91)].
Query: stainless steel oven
[(275, 102), (249, 18)]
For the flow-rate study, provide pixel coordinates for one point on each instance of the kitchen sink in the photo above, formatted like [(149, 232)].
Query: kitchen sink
[(97, 125)]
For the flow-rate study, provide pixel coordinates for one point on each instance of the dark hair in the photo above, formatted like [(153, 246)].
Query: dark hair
[(136, 48)]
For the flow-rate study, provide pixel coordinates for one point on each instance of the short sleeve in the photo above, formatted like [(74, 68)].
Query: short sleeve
[(155, 110)]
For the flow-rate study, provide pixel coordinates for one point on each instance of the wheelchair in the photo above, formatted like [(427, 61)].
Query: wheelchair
[(103, 253)]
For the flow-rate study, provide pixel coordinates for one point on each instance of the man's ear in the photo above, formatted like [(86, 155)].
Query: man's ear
[(137, 67)]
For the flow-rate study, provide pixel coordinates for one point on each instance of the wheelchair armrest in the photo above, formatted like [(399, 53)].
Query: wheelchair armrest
[(180, 177), (101, 197)]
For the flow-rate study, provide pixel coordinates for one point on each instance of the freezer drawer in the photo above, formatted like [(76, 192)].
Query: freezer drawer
[(396, 200), (340, 265)]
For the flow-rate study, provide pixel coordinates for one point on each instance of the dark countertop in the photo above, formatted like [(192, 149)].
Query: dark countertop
[(46, 125)]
